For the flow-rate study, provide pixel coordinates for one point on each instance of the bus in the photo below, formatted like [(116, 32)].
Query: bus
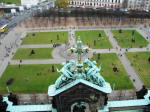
[(4, 28)]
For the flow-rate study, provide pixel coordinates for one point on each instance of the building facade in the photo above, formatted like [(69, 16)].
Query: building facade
[(30, 2), (138, 5), (108, 4)]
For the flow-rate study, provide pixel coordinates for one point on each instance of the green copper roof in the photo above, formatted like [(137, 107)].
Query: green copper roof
[(30, 108), (26, 108), (48, 107), (127, 103), (52, 91)]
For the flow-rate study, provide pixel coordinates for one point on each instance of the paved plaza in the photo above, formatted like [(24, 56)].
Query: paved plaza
[(13, 39)]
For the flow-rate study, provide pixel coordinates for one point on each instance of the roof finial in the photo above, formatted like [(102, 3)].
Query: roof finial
[(79, 49)]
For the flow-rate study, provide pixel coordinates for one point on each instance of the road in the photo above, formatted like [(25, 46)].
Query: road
[(14, 21)]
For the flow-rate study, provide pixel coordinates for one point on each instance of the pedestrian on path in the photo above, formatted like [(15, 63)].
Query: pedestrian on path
[(147, 49), (117, 48), (8, 62), (19, 65)]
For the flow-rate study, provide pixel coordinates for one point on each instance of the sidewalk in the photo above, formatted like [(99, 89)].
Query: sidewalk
[(36, 61), (11, 41), (37, 46)]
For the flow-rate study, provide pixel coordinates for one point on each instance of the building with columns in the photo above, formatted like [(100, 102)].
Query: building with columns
[(138, 5), (108, 4), (30, 2)]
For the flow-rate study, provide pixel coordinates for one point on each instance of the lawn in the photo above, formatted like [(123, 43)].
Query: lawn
[(124, 39), (140, 62), (40, 53), (120, 78), (46, 37), (29, 78), (88, 38), (11, 1)]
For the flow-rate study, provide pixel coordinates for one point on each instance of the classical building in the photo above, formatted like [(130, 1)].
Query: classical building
[(30, 2), (138, 5), (97, 3)]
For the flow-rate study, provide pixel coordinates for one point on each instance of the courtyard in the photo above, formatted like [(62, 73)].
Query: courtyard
[(11, 1), (33, 74), (33, 53), (95, 39), (45, 67), (29, 78), (46, 38), (119, 78), (129, 38), (141, 62)]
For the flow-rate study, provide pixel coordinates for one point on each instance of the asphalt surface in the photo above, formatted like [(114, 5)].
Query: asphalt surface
[(13, 21)]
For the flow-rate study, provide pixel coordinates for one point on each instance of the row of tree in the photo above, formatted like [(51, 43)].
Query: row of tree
[(62, 3), (87, 12)]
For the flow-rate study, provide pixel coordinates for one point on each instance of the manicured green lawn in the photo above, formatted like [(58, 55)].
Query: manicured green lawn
[(120, 78), (11, 1), (29, 78), (88, 38), (124, 39), (46, 37), (40, 53), (140, 62)]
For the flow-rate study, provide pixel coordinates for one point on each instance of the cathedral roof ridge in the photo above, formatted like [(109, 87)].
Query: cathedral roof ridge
[(52, 91)]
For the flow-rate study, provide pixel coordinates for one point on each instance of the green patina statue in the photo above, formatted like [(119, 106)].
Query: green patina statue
[(72, 71)]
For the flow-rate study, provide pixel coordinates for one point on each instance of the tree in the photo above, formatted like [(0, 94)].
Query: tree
[(133, 32), (98, 56), (94, 42), (32, 52), (33, 34), (100, 35), (149, 59), (120, 31), (115, 69), (53, 69), (133, 40), (62, 3), (57, 37)]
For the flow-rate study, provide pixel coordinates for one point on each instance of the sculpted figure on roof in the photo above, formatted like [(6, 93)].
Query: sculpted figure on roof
[(92, 73), (67, 74), (72, 71)]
